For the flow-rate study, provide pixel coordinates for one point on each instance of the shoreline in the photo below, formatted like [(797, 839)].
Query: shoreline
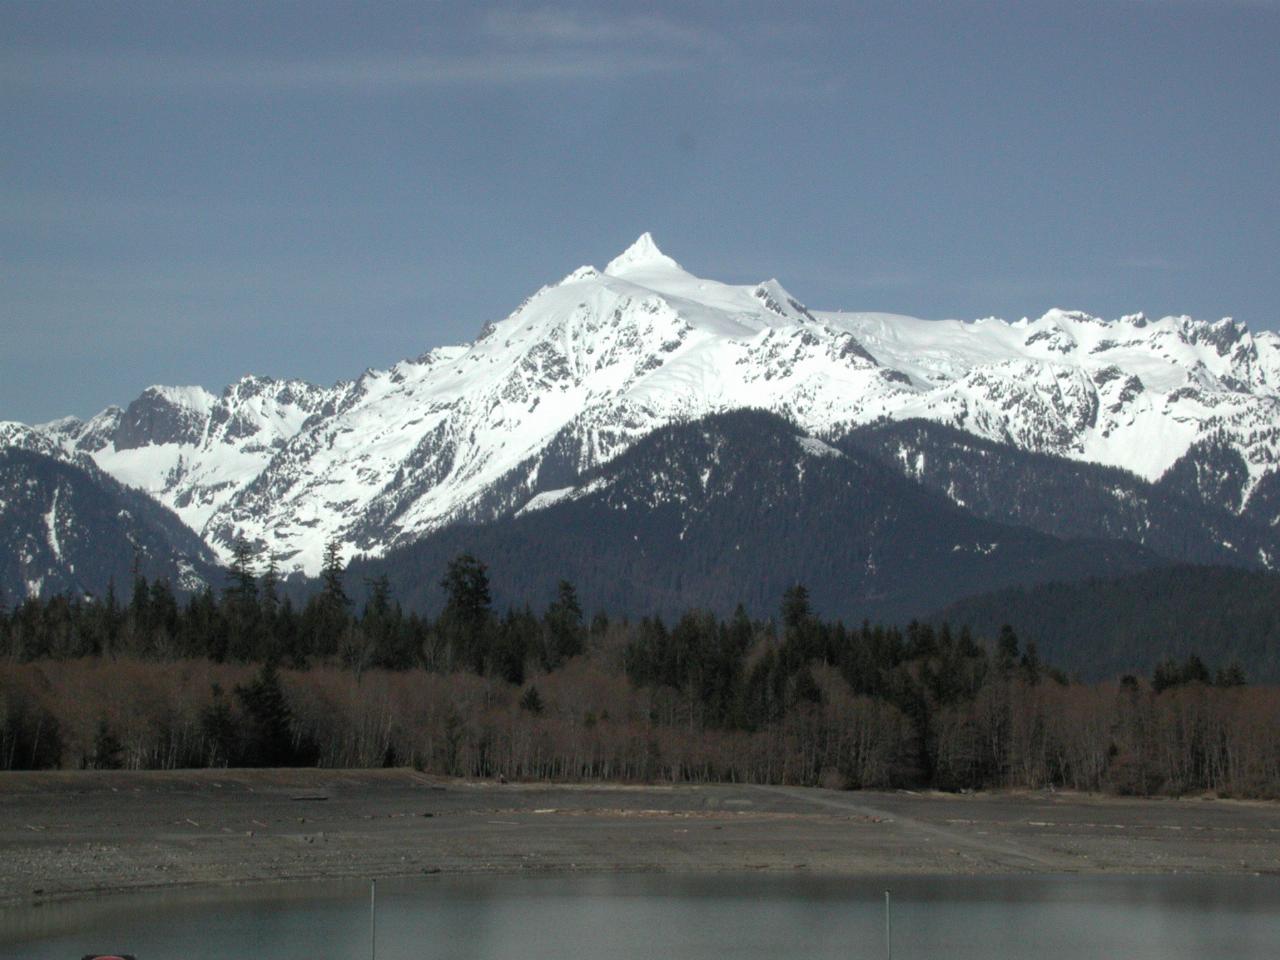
[(77, 835)]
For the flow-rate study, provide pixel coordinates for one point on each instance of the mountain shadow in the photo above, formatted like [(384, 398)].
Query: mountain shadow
[(70, 528), (734, 508)]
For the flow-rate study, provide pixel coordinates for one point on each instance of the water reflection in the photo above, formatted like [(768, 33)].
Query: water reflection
[(693, 918)]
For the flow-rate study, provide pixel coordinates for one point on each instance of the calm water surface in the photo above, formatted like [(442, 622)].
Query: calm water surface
[(700, 918)]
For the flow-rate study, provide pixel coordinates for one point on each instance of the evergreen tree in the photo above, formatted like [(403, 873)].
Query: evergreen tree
[(511, 650), (269, 739), (566, 637), (531, 701), (111, 618), (804, 689), (138, 616), (795, 607), (1194, 671), (326, 618), (204, 630), (108, 751), (383, 624), (1231, 676), (1006, 650), (466, 611), (331, 576), (1030, 664), (240, 604), (270, 589), (1166, 674), (218, 726), (242, 585), (162, 612)]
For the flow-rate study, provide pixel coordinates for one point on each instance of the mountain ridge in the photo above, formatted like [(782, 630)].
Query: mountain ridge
[(587, 366), (735, 508)]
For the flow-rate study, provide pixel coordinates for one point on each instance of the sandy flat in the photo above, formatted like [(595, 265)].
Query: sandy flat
[(74, 834)]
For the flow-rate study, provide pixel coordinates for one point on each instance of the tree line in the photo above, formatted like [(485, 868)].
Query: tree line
[(242, 677)]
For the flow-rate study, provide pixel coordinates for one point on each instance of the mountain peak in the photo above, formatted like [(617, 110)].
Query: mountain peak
[(643, 254)]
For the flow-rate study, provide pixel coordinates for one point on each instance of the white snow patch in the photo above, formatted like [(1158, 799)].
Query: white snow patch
[(546, 498), (816, 448), (51, 524)]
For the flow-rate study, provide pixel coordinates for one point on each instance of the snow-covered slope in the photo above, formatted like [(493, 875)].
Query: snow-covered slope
[(1130, 393), (588, 365), (189, 449)]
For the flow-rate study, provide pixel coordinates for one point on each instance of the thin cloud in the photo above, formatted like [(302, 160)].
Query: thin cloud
[(571, 28), (514, 47), (150, 73)]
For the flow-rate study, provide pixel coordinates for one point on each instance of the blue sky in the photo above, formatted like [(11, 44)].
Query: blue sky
[(193, 192)]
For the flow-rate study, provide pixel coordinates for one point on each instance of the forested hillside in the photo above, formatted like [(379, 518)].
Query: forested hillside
[(734, 508), (1181, 517), (70, 528), (1103, 628)]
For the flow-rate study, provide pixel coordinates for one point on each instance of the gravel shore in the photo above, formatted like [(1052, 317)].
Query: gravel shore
[(74, 834)]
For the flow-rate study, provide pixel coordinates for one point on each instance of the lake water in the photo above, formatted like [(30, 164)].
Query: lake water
[(629, 917)]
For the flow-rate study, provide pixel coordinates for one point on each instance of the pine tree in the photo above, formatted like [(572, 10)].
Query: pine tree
[(466, 611), (795, 607), (218, 726), (531, 701), (110, 620), (565, 634), (1166, 674), (382, 625), (1232, 676), (331, 573), (240, 603), (1030, 664), (138, 615), (108, 751), (326, 615), (804, 689), (270, 589), (270, 738), (242, 587), (511, 649), (1006, 650)]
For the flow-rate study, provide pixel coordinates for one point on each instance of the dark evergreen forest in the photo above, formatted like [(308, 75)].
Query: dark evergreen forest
[(246, 677), (1184, 517), (1105, 627)]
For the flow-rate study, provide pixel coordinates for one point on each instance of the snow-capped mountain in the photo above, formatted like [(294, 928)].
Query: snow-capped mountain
[(586, 366)]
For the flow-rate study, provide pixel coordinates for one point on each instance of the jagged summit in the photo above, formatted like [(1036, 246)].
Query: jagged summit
[(641, 255), (585, 367)]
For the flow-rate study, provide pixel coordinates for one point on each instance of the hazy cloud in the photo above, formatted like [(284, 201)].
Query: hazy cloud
[(140, 73), (575, 28), (512, 48)]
